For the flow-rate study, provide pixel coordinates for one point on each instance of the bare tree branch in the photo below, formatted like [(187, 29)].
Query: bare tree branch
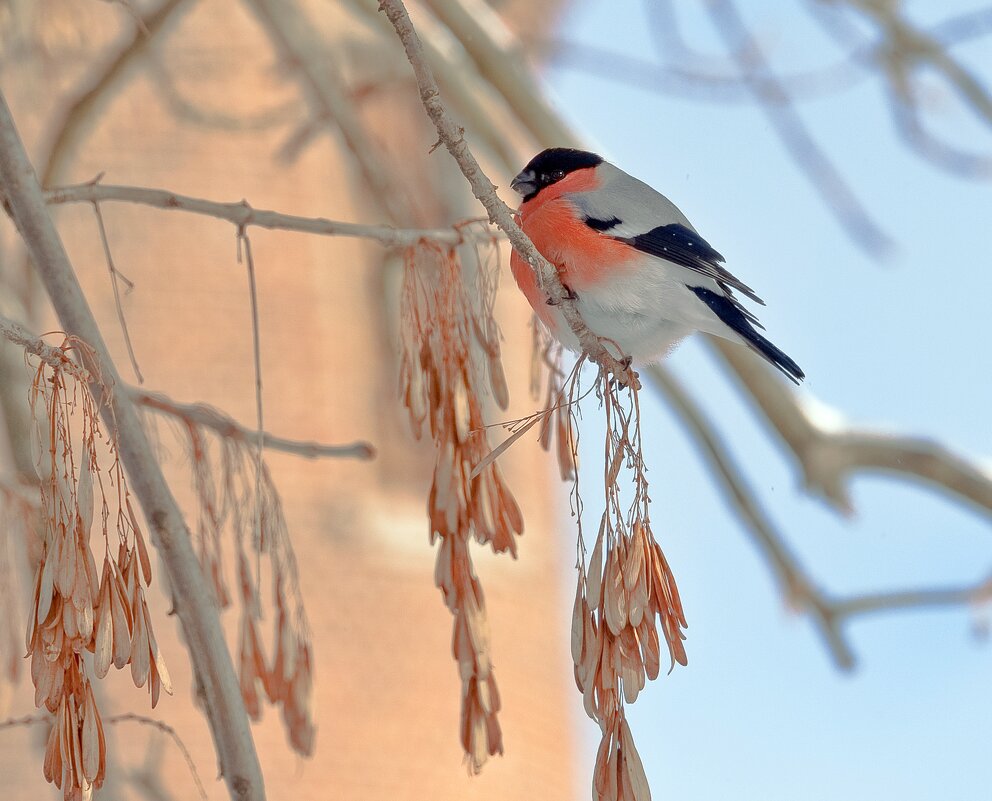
[(691, 75), (243, 215), (828, 614), (899, 54), (199, 414), (795, 584), (828, 457), (107, 79), (187, 110), (481, 109), (500, 60), (911, 46), (454, 140), (792, 131), (19, 335), (700, 85), (300, 45), (192, 597)]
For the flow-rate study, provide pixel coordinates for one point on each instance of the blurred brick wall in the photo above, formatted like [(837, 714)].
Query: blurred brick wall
[(386, 687)]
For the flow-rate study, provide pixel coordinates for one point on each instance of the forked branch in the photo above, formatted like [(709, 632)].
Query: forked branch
[(199, 414), (244, 215), (828, 614), (485, 191), (192, 598), (830, 455)]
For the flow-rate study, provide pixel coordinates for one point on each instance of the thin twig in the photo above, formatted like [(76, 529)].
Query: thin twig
[(56, 357), (484, 115), (484, 190), (900, 52), (244, 246), (792, 131), (243, 215), (165, 728), (201, 414), (913, 46), (828, 614), (699, 85), (197, 413), (301, 46), (185, 109), (115, 276), (39, 718), (26, 720), (500, 60), (193, 599), (100, 86), (793, 581), (830, 456)]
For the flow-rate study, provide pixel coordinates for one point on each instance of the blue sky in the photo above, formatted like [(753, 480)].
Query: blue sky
[(899, 343)]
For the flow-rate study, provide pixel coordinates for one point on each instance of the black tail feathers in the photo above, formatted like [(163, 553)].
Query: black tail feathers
[(737, 320)]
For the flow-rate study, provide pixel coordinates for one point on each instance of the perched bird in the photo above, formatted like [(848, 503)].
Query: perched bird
[(639, 273)]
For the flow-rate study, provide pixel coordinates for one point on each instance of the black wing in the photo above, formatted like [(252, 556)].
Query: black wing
[(682, 246)]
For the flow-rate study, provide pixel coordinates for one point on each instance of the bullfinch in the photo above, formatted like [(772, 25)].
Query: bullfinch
[(639, 273)]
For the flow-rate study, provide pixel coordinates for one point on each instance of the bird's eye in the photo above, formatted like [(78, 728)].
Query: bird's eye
[(557, 175)]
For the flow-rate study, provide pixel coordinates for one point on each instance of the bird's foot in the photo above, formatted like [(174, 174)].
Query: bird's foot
[(569, 295)]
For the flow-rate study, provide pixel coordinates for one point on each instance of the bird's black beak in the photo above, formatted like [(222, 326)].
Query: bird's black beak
[(525, 183)]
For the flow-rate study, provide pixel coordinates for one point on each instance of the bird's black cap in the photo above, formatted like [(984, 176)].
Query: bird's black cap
[(550, 166)]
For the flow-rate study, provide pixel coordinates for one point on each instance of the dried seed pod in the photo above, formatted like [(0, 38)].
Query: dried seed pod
[(614, 594), (139, 541)]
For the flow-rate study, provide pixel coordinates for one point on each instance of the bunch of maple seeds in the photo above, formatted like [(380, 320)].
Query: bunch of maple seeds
[(230, 495), (75, 608), (439, 384), (619, 600)]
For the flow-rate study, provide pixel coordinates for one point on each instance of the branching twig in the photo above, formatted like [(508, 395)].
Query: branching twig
[(481, 110), (794, 583), (910, 46), (499, 59), (40, 718), (828, 457), (196, 413), (243, 215), (115, 276), (297, 40), (165, 728), (807, 154), (484, 190), (699, 85), (828, 614), (201, 414), (56, 357), (102, 85), (192, 597)]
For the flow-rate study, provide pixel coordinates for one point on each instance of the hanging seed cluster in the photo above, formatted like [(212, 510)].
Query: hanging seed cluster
[(621, 600), (442, 390), (556, 421), (230, 499), (77, 608)]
